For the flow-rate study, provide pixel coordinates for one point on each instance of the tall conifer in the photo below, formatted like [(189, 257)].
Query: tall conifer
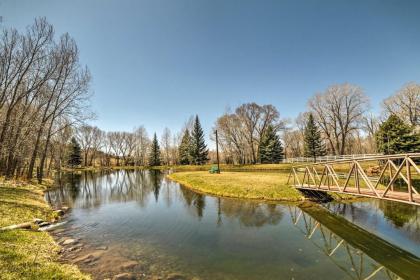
[(185, 148), (199, 151), (394, 137), (75, 153), (154, 157), (270, 148), (313, 146)]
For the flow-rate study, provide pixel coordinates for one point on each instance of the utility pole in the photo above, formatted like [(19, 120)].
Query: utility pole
[(217, 153)]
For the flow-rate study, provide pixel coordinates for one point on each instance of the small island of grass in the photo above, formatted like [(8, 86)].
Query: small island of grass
[(251, 185)]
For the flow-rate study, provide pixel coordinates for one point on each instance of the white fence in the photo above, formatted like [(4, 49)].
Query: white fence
[(328, 158)]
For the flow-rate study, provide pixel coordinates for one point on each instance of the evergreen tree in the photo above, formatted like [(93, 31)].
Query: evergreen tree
[(270, 148), (313, 143), (394, 137), (154, 157), (199, 151), (185, 148), (75, 153)]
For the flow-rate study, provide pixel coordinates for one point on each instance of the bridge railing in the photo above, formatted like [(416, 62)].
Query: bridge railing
[(328, 158), (379, 182)]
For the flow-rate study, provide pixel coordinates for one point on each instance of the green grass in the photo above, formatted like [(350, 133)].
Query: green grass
[(249, 185), (29, 254), (229, 167), (205, 167), (252, 185)]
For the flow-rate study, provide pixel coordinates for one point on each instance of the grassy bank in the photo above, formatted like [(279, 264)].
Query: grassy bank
[(205, 167), (253, 185), (28, 254), (284, 167)]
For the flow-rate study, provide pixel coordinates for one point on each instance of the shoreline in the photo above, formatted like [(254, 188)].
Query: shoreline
[(262, 200), (222, 190), (291, 195), (283, 167), (30, 253)]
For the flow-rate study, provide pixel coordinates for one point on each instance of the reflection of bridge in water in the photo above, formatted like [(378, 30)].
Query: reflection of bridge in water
[(353, 179), (369, 256)]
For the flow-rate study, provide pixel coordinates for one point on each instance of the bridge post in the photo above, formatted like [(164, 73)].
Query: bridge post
[(409, 183), (356, 176), (390, 174)]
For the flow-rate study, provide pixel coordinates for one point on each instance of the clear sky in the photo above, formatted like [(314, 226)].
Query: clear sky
[(158, 62)]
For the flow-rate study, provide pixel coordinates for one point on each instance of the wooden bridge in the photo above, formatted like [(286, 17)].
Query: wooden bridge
[(391, 177)]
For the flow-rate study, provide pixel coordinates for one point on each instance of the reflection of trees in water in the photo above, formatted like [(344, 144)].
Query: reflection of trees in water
[(251, 214), (156, 178), (91, 189), (67, 189), (134, 185), (400, 214), (194, 201), (352, 212), (352, 261), (168, 191)]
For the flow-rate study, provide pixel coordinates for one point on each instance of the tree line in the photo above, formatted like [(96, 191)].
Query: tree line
[(92, 146), (44, 116), (43, 93), (338, 122)]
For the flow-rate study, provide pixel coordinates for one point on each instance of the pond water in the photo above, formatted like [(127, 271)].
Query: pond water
[(139, 222)]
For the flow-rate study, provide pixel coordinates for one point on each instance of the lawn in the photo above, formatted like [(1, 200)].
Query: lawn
[(253, 185), (28, 254)]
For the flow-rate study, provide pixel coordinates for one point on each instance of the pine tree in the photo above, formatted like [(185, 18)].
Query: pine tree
[(394, 137), (185, 148), (75, 153), (154, 156), (270, 149), (199, 151), (313, 143)]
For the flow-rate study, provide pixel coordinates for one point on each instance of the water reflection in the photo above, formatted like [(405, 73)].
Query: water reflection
[(400, 214), (92, 189), (194, 201), (251, 214), (142, 216), (348, 256), (395, 222)]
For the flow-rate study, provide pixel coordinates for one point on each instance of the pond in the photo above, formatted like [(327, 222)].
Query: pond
[(139, 222)]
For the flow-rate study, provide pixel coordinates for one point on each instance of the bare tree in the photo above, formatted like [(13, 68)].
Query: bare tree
[(43, 89), (240, 133), (85, 139), (166, 145), (232, 140), (293, 143), (339, 112), (130, 146), (142, 146), (370, 125), (256, 119), (405, 104), (98, 137)]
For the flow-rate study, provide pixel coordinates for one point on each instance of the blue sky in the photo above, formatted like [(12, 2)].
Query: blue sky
[(155, 63)]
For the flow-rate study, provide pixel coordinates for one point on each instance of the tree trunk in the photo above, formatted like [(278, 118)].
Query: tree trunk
[(34, 155)]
